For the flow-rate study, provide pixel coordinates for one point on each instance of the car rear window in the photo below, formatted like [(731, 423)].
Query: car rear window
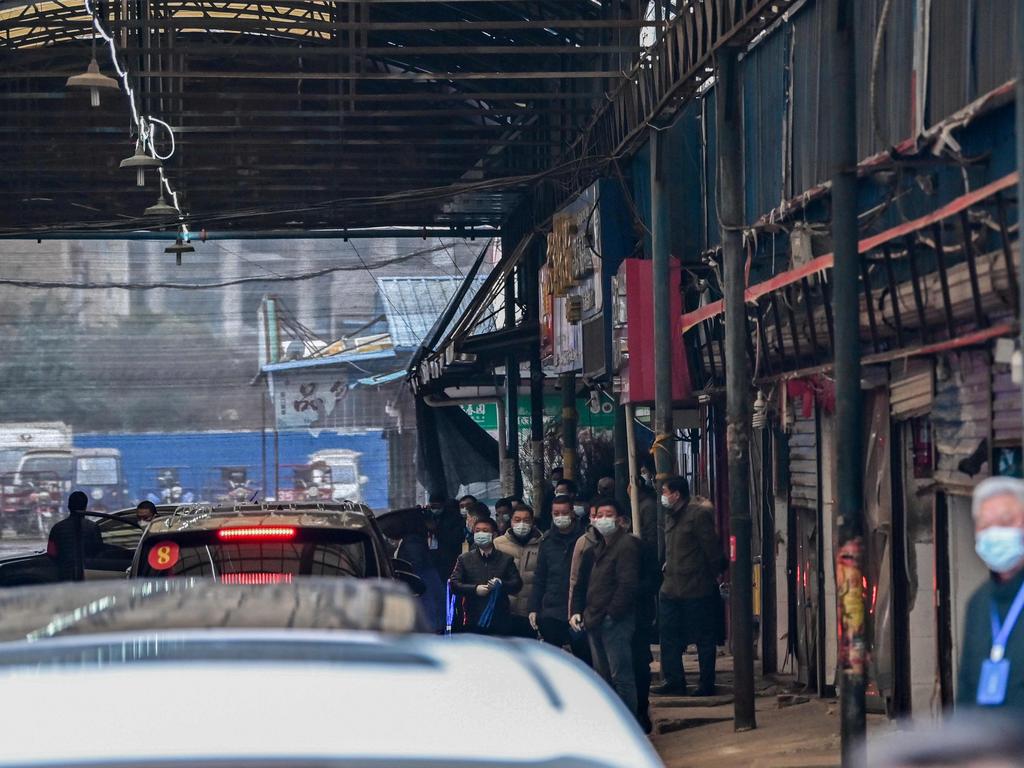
[(252, 560)]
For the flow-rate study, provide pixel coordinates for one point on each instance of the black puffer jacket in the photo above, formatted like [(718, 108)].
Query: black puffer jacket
[(473, 569), (549, 597)]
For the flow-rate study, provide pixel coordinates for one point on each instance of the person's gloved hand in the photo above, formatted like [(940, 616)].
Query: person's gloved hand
[(576, 622), (483, 590), (495, 582), (533, 620)]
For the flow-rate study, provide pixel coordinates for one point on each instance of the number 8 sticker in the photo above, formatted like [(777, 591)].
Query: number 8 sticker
[(163, 556)]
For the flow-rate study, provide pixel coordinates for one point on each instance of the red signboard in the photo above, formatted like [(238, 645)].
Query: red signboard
[(638, 373)]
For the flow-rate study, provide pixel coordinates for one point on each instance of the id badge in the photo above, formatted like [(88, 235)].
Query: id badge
[(995, 675)]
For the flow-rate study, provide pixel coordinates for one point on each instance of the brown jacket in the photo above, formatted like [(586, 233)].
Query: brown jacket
[(609, 580), (525, 556), (585, 542), (693, 553)]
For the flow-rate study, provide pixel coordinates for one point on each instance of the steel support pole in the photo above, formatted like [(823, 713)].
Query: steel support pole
[(623, 471), (536, 384), (264, 395), (661, 296), (849, 435), (729, 116), (513, 485), (569, 419)]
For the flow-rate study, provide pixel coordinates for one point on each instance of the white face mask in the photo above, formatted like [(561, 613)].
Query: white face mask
[(580, 510), (1000, 547), (666, 501), (562, 521), (605, 525), (483, 538), (522, 529)]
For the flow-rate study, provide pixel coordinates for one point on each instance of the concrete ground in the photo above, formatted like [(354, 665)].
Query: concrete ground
[(793, 730)]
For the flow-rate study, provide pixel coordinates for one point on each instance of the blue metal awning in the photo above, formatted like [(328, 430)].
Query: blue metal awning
[(351, 357)]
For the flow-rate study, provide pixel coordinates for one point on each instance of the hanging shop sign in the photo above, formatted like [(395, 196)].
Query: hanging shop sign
[(561, 341), (309, 399)]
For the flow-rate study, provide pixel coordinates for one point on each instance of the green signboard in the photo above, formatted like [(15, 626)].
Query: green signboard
[(600, 417)]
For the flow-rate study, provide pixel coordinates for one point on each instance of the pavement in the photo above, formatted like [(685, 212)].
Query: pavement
[(794, 729)]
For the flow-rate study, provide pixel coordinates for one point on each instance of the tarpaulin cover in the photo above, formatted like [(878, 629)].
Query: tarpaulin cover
[(452, 450)]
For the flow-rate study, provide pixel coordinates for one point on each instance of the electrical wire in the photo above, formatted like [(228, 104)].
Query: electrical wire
[(140, 123), (130, 286)]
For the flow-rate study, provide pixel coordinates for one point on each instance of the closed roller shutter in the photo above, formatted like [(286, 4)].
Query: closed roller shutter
[(803, 457)]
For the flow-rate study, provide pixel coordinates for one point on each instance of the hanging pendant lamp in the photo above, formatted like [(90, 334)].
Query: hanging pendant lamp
[(93, 79), (161, 208), (140, 161)]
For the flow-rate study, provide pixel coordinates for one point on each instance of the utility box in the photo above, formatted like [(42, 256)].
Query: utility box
[(633, 334)]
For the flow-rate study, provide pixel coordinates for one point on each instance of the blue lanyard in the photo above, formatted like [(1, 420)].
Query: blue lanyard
[(1001, 633)]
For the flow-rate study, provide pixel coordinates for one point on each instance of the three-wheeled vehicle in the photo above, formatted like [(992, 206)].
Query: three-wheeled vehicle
[(310, 482), (99, 473), (345, 478), (168, 487), (232, 486)]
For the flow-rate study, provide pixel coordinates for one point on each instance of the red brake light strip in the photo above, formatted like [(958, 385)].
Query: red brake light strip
[(275, 532)]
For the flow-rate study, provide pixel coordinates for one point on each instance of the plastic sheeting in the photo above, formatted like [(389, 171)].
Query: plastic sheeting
[(452, 450)]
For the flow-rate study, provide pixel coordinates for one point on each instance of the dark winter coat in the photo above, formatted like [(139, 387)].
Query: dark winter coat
[(609, 580), (647, 590), (549, 597), (446, 534), (977, 642), (473, 569), (693, 553), (61, 544)]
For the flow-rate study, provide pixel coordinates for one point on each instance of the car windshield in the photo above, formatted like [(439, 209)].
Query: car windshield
[(258, 560), (96, 470), (344, 474), (48, 465)]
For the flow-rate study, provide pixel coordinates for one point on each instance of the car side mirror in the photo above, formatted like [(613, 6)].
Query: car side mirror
[(414, 582), (363, 479)]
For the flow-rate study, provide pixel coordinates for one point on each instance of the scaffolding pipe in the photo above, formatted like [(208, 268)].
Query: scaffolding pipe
[(662, 307)]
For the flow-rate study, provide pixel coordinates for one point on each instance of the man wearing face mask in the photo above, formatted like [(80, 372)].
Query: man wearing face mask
[(604, 600), (485, 579), (503, 509), (991, 670), (522, 543), (690, 604), (549, 597)]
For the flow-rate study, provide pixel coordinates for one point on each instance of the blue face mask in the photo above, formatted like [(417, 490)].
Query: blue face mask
[(1001, 548)]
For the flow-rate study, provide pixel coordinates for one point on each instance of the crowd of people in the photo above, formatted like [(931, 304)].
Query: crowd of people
[(577, 575)]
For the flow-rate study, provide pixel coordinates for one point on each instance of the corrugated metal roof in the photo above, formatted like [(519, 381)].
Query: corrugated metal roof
[(413, 304)]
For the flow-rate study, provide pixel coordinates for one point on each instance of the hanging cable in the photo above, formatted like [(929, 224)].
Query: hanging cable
[(141, 124)]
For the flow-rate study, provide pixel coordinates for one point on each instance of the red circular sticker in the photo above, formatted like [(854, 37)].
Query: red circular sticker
[(163, 556)]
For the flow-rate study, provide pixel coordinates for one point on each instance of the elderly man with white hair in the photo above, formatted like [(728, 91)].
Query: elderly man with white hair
[(992, 661)]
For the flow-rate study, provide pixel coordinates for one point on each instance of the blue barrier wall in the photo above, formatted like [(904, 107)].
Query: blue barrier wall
[(198, 454)]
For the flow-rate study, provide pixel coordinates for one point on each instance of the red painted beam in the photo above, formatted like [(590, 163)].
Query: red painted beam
[(820, 264)]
